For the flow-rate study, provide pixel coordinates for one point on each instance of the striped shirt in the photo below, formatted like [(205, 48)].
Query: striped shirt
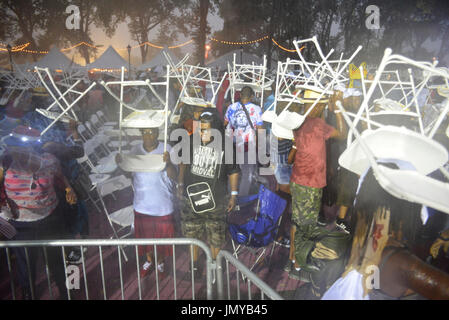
[(34, 194)]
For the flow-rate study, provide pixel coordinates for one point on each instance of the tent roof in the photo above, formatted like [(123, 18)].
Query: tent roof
[(110, 59), (159, 60), (222, 62), (54, 59)]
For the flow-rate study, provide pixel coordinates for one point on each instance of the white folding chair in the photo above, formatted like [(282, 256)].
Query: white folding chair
[(193, 79), (64, 105), (148, 118), (295, 77), (252, 75), (123, 216), (425, 154), (408, 103)]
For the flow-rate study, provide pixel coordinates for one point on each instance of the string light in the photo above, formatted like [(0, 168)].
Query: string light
[(21, 48), (17, 48), (252, 42), (106, 70), (34, 51), (181, 45), (283, 48), (240, 43)]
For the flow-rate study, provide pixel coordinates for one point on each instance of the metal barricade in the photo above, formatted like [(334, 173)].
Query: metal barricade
[(108, 253), (251, 278)]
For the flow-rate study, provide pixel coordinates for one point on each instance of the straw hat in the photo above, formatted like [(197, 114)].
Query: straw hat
[(311, 96), (40, 92)]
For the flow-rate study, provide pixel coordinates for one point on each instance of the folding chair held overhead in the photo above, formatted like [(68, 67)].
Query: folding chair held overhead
[(147, 118), (425, 154), (251, 75), (61, 101), (405, 103), (300, 81)]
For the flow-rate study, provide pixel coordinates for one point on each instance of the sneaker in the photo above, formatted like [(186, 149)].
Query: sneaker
[(146, 268), (304, 276), (161, 271), (342, 225), (288, 266), (321, 222), (74, 257), (284, 242), (294, 273)]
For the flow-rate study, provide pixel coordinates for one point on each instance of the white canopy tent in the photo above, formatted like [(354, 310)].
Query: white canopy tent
[(159, 60), (53, 60), (109, 60)]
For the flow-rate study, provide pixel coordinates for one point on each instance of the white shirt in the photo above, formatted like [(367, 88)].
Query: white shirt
[(153, 191)]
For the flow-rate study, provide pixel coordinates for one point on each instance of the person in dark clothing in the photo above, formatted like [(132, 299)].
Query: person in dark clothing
[(76, 215), (202, 186)]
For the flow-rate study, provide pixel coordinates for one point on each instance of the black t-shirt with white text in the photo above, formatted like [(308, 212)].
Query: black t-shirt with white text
[(207, 164)]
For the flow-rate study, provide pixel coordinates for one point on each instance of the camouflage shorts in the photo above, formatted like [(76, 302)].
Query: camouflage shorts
[(306, 204), (208, 226)]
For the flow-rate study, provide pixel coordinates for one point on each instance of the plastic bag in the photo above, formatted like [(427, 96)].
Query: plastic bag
[(347, 288)]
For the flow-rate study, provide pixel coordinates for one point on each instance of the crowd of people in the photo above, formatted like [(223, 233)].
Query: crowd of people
[(41, 199)]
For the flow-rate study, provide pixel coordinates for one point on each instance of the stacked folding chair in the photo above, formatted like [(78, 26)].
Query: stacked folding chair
[(251, 75), (412, 145), (298, 78), (196, 81)]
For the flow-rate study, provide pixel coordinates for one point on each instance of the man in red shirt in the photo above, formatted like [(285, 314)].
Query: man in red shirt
[(308, 180)]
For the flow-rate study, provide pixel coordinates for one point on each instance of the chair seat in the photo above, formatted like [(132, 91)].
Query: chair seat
[(123, 217), (389, 104), (116, 143), (415, 187), (144, 119), (108, 131), (142, 163), (390, 142)]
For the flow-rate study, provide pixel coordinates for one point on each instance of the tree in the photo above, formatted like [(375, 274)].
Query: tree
[(145, 15), (25, 20)]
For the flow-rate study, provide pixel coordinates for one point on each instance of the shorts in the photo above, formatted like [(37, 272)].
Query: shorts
[(283, 173), (306, 204), (207, 226), (154, 227)]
